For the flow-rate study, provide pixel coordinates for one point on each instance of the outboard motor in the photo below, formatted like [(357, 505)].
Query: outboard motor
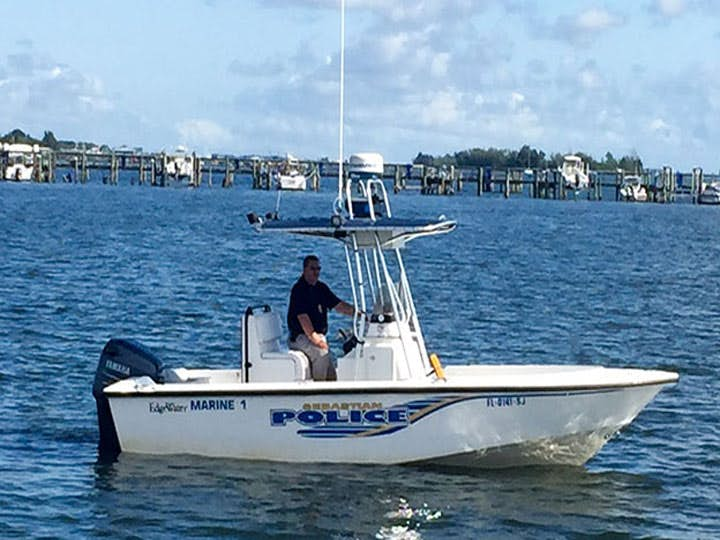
[(120, 359)]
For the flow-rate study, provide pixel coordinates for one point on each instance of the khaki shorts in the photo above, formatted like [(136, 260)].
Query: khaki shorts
[(322, 361)]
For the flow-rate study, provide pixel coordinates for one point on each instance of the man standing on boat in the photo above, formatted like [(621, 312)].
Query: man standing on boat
[(310, 300)]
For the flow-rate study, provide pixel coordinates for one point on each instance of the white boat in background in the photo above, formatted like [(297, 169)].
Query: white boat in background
[(393, 403), (288, 176), (575, 174), (19, 160), (180, 164), (710, 194), (633, 189)]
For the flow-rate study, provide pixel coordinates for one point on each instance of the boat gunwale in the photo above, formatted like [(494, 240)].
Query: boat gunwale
[(162, 390)]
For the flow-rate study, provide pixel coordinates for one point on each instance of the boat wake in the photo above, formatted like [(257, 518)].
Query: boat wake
[(570, 450)]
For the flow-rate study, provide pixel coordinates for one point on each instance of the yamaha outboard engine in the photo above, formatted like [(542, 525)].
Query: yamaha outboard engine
[(120, 359)]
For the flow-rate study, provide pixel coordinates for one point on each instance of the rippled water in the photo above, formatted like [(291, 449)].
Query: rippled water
[(520, 281)]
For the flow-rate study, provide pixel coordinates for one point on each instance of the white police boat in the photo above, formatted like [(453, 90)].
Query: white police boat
[(393, 403)]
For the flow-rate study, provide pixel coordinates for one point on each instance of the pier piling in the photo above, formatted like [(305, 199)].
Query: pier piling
[(696, 184)]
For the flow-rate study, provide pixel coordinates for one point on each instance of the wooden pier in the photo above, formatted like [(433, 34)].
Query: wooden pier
[(660, 186), (151, 168), (156, 169)]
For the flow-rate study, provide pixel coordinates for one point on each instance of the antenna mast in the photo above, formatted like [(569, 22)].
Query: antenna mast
[(342, 106)]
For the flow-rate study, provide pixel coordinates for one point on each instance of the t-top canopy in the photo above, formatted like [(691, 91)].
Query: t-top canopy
[(390, 233)]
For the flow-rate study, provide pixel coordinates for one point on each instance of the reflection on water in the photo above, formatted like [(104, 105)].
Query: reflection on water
[(186, 496)]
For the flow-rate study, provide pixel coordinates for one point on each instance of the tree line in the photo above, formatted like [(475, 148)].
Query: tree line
[(18, 136), (526, 157)]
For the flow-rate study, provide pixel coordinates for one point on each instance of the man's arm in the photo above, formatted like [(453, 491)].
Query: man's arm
[(315, 338), (345, 308)]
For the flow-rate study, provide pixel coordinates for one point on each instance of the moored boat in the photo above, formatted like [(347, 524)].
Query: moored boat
[(633, 189), (180, 164), (288, 176), (21, 161), (574, 173), (710, 195)]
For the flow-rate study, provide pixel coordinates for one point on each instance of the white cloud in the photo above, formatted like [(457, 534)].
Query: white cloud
[(659, 126), (35, 82), (522, 119), (414, 11), (393, 46), (36, 86), (441, 109), (203, 134), (400, 12), (596, 19), (96, 103), (669, 8), (439, 64), (516, 101), (583, 28), (589, 78), (610, 121), (669, 135), (420, 77)]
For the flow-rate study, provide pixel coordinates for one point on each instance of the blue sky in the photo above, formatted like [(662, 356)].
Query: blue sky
[(249, 76)]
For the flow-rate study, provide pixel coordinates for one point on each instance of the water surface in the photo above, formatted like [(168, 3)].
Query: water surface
[(519, 281)]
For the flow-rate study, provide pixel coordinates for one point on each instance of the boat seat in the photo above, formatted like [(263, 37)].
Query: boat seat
[(281, 366), (269, 360)]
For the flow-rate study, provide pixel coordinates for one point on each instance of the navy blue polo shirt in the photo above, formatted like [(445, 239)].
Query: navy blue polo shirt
[(312, 300)]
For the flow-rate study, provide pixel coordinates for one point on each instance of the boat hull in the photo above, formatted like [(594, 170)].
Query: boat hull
[(19, 172), (459, 427), (291, 182), (709, 198)]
